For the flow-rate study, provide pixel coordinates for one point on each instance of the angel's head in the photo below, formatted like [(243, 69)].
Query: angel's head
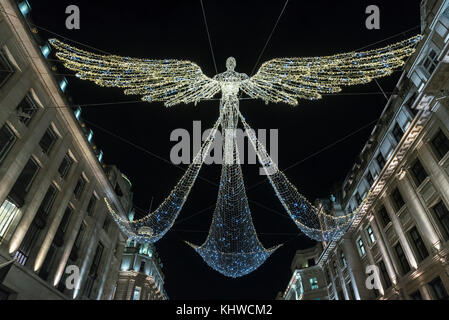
[(230, 64)]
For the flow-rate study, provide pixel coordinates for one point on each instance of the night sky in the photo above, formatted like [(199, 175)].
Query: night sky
[(168, 29)]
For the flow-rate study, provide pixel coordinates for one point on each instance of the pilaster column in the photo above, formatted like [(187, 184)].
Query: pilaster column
[(437, 174), (55, 221), (369, 255), (332, 279), (21, 152), (418, 212), (74, 227), (384, 248), (355, 267), (340, 275), (400, 233), (425, 293)]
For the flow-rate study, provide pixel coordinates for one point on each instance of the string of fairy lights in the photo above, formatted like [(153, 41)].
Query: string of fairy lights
[(156, 224), (232, 246)]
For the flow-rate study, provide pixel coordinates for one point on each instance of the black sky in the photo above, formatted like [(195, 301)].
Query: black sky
[(168, 29)]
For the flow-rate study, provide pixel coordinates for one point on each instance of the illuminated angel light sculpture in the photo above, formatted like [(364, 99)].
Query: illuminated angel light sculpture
[(232, 246)]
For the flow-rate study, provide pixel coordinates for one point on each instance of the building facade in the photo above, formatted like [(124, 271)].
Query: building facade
[(53, 221), (399, 188), (141, 276)]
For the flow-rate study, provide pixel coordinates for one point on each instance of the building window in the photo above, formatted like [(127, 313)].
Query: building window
[(118, 190), (439, 291), (6, 68), (397, 132), (91, 206), (442, 214), (48, 141), (93, 271), (64, 224), (384, 216), (65, 166), (416, 295), (314, 283), (8, 213), (311, 262), (440, 144), (380, 160), (419, 173), (370, 234), (430, 62), (369, 178), (37, 225), (334, 265), (136, 295), (44, 272), (47, 203), (7, 140), (397, 199), (142, 266), (405, 267), (418, 243), (385, 275), (26, 110), (79, 188), (23, 183), (343, 259), (79, 236), (361, 247)]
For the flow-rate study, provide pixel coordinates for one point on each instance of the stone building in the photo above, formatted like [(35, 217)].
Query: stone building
[(52, 179), (141, 276), (399, 188)]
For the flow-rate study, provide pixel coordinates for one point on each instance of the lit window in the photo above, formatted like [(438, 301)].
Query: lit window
[(24, 7), (370, 233), (46, 50), (343, 259), (314, 283), (90, 136), (136, 295), (100, 156), (63, 84), (361, 247), (431, 61), (8, 213), (78, 113)]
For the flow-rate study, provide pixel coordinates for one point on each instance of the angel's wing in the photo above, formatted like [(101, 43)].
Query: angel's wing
[(169, 81), (289, 79)]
